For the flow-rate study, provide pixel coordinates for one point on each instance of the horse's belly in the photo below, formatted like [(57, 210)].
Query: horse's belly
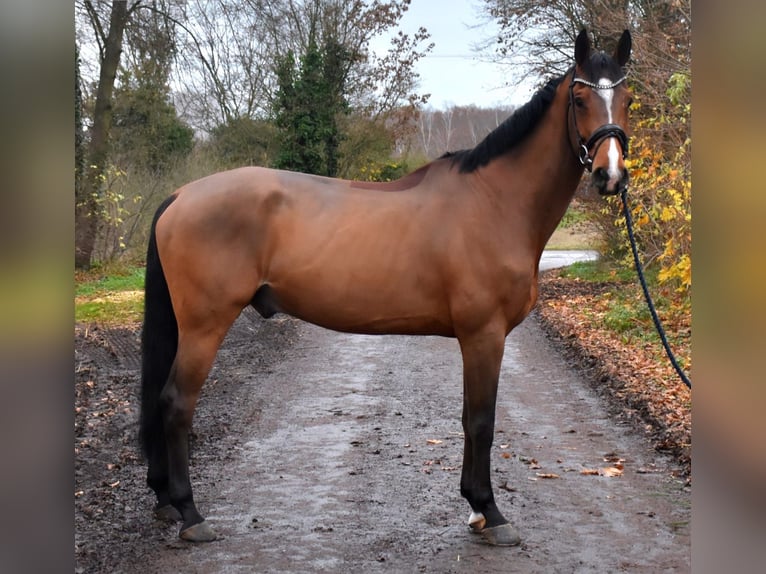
[(364, 309)]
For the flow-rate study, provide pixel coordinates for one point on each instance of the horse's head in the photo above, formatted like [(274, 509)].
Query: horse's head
[(599, 100)]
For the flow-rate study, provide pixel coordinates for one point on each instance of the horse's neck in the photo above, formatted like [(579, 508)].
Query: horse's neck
[(544, 175)]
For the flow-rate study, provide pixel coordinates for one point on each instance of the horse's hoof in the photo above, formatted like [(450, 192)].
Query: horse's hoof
[(167, 513), (201, 532), (502, 535)]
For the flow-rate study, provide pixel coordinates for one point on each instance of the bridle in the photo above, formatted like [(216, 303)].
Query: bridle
[(586, 150)]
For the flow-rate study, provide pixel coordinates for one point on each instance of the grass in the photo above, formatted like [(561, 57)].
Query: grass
[(599, 271), (623, 309), (111, 295), (575, 231), (574, 215)]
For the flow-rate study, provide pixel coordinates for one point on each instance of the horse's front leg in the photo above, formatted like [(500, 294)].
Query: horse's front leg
[(482, 356)]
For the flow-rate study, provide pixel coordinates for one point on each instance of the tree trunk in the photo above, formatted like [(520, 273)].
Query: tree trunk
[(79, 131), (87, 210)]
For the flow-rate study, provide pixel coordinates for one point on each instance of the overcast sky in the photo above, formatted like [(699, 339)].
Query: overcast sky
[(454, 73)]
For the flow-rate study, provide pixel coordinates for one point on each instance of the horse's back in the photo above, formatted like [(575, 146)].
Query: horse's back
[(344, 257)]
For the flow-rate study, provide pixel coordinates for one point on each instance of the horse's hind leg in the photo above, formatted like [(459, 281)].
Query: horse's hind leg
[(482, 356), (197, 347), (157, 479)]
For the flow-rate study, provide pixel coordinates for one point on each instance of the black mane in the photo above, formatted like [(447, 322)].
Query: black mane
[(508, 134)]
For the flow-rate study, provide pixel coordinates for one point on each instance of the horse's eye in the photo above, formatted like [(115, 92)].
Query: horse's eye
[(579, 102)]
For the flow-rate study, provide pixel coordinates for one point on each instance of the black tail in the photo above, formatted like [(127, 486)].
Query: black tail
[(159, 342)]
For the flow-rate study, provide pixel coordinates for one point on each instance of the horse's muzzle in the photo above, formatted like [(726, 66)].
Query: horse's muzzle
[(606, 185)]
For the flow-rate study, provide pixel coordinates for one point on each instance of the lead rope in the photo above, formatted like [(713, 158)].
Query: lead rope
[(650, 303)]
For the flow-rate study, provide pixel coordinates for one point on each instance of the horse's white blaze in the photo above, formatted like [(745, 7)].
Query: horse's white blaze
[(607, 94), (614, 156)]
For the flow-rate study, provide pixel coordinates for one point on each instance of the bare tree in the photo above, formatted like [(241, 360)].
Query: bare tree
[(109, 41), (536, 37), (231, 50), (457, 127), (425, 130), (446, 118), (223, 68)]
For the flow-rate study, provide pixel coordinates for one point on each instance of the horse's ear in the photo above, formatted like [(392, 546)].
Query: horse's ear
[(582, 47), (622, 52)]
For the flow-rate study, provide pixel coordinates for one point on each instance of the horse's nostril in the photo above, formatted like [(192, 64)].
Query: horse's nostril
[(604, 182), (600, 176)]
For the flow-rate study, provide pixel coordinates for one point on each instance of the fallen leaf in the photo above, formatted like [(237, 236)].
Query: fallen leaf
[(434, 441), (505, 454), (547, 475), (610, 471), (644, 380)]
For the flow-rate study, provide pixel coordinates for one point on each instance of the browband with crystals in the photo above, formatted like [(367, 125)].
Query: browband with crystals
[(600, 86)]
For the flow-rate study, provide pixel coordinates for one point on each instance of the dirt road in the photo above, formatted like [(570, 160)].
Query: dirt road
[(317, 451)]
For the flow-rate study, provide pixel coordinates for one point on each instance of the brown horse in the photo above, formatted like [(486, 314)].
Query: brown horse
[(451, 249)]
